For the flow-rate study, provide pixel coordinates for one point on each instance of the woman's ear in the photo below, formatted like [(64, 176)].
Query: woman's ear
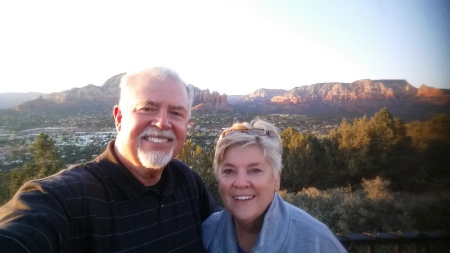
[(277, 181)]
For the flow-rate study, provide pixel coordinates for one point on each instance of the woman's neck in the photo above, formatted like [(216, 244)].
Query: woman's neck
[(247, 233)]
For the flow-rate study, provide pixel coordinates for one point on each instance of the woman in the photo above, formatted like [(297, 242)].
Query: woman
[(247, 165)]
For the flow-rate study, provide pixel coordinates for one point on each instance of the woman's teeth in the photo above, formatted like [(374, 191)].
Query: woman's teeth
[(243, 197)]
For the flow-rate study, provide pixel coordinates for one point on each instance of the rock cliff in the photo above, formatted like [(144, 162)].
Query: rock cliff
[(359, 97), (204, 100)]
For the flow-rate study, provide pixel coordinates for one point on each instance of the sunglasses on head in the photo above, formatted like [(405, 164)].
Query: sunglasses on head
[(253, 131)]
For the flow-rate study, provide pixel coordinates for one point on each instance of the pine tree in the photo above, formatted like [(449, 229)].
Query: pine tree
[(45, 162)]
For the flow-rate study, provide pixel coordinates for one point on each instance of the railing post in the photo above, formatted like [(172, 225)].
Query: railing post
[(397, 248), (423, 247), (419, 242)]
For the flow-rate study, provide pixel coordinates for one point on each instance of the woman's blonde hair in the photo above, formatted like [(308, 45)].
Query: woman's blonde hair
[(259, 132)]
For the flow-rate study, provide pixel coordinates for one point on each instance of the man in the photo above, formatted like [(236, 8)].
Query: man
[(132, 198)]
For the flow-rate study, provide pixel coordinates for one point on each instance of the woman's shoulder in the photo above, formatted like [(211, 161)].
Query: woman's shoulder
[(303, 219), (314, 233), (210, 227), (213, 219)]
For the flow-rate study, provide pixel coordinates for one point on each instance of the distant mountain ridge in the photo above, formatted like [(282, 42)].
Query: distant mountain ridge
[(107, 95), (88, 96), (354, 99), (365, 89), (11, 99), (360, 97)]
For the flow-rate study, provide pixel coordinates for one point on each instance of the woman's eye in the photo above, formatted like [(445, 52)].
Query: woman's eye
[(254, 170), (227, 171)]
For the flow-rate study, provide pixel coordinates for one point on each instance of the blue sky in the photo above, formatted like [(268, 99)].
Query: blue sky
[(232, 47)]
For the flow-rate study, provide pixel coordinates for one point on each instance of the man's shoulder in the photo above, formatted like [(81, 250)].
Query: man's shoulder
[(75, 175), (81, 169), (180, 167)]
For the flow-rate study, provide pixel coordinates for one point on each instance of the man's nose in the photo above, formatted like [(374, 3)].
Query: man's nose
[(162, 120)]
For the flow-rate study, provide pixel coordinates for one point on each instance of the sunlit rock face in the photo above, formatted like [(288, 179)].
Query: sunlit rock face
[(357, 98), (204, 100)]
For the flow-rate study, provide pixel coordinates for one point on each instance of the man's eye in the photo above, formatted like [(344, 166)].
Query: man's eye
[(178, 114), (146, 109)]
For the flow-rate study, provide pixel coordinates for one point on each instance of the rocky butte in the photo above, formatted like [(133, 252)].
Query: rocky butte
[(350, 99), (204, 100)]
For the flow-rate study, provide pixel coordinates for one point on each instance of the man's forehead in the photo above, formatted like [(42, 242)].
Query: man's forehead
[(154, 80), (160, 103)]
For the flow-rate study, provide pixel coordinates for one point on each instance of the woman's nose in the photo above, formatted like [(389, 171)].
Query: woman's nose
[(241, 181)]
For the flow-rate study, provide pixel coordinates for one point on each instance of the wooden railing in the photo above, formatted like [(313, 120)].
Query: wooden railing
[(397, 242)]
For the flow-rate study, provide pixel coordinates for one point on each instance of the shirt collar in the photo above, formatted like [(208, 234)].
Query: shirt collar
[(126, 181)]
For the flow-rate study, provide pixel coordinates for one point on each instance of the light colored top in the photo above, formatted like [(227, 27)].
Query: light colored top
[(286, 228)]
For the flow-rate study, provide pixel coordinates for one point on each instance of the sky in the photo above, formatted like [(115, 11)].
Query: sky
[(233, 47)]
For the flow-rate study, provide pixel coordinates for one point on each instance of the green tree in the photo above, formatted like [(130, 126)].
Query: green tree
[(45, 161), (201, 161), (431, 141), (291, 177), (436, 128), (306, 161), (370, 148), (349, 147), (392, 153), (4, 189), (387, 145)]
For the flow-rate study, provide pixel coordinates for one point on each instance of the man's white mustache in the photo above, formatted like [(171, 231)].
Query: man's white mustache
[(154, 132)]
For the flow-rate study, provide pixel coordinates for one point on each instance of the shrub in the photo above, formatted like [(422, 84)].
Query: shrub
[(376, 188), (352, 212)]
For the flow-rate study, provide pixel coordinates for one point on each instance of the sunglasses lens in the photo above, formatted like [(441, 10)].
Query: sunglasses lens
[(259, 132), (254, 131)]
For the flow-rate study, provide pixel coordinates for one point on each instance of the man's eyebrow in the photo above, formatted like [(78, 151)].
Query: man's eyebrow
[(153, 103), (143, 103), (178, 107)]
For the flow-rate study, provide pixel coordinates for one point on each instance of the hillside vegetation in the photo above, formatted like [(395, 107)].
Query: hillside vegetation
[(365, 175)]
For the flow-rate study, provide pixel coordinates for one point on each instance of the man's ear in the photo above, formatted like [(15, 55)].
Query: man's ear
[(117, 113)]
